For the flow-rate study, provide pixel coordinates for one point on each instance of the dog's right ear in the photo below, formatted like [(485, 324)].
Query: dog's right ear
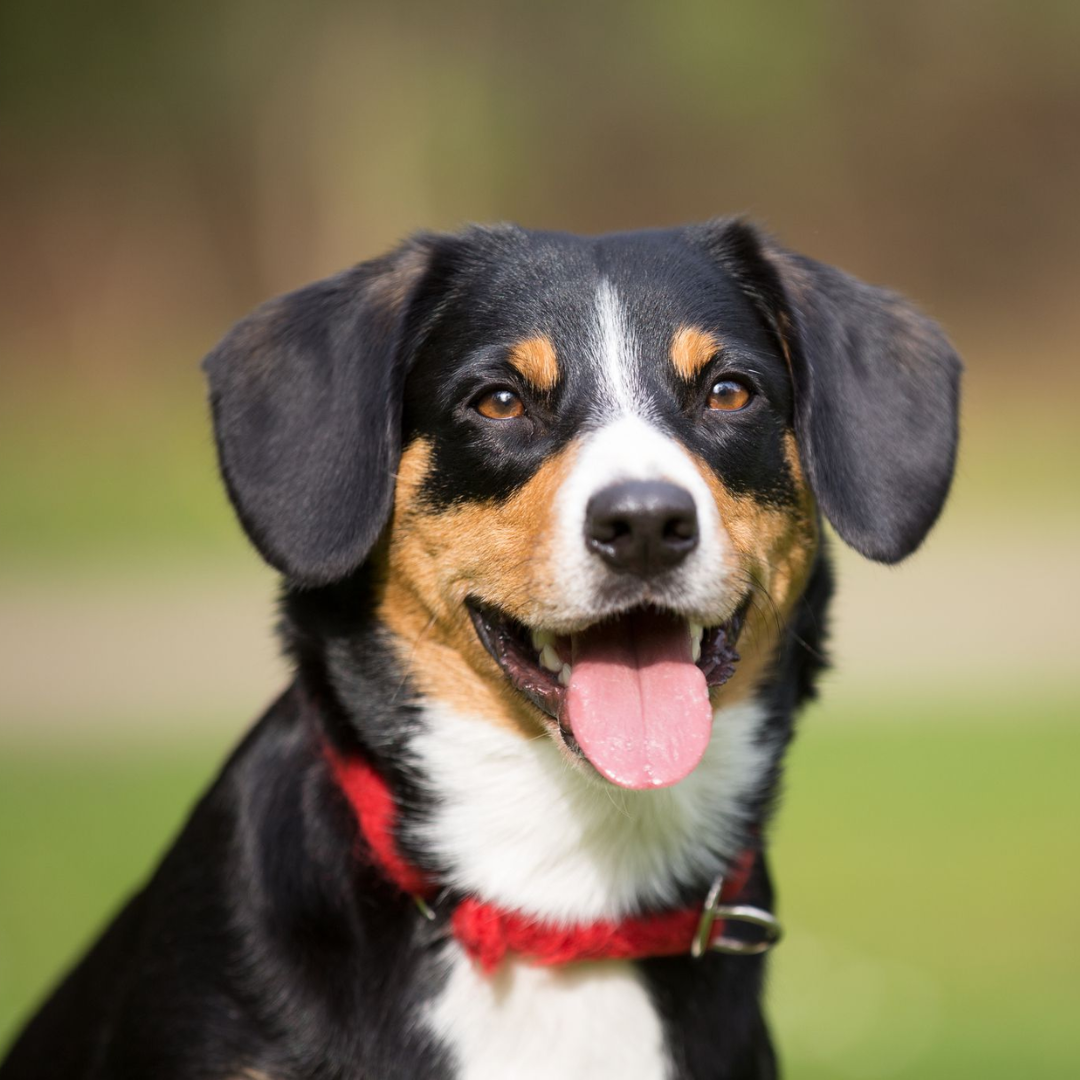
[(307, 397)]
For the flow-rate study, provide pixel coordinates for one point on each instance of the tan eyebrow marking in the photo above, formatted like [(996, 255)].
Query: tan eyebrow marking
[(692, 349), (536, 360)]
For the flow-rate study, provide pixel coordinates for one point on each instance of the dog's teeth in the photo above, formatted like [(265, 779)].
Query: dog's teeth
[(540, 638), (564, 674), (697, 631), (550, 658)]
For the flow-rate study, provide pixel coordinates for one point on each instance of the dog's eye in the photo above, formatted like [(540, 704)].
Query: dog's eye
[(729, 395), (500, 405)]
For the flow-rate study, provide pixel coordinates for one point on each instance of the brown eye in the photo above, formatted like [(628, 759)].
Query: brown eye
[(500, 405), (728, 395)]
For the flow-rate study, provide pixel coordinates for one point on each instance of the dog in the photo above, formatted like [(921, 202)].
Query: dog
[(549, 513)]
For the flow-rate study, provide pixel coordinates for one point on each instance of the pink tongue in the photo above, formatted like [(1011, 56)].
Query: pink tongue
[(637, 704)]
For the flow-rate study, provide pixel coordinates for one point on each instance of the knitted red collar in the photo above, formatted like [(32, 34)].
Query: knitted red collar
[(488, 932)]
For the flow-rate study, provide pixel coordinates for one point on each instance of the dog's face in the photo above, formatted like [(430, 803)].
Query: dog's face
[(595, 464), (599, 487)]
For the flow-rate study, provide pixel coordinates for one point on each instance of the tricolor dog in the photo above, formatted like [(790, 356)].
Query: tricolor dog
[(549, 514)]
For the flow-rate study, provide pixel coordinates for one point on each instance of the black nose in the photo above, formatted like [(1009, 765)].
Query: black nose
[(641, 526)]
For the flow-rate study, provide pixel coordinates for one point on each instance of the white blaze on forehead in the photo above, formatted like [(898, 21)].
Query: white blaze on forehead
[(615, 350)]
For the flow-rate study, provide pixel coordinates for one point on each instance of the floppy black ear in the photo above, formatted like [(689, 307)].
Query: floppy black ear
[(307, 396), (876, 391)]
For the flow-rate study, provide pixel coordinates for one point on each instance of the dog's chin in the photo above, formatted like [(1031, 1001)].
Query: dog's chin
[(627, 694)]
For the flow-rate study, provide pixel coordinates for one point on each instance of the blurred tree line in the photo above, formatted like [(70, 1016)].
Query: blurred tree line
[(165, 166)]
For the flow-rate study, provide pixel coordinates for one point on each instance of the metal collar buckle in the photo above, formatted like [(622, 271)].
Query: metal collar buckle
[(744, 913)]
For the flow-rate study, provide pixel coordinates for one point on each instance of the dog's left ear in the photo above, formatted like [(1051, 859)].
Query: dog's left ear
[(876, 390), (307, 398)]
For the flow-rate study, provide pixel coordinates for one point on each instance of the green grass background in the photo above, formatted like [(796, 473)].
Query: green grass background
[(925, 859)]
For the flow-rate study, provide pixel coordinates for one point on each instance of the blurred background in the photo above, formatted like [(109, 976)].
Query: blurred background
[(164, 167)]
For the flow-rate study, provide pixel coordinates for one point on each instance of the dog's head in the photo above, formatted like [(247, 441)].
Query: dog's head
[(583, 470)]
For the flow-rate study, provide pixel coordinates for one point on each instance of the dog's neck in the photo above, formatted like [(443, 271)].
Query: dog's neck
[(513, 822), (507, 819)]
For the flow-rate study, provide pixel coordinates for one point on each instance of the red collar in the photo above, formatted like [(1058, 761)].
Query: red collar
[(488, 932)]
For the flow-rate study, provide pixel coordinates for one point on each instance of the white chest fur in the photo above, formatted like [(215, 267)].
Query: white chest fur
[(585, 1022), (519, 827)]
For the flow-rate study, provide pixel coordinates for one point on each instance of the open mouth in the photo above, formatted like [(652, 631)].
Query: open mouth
[(630, 693)]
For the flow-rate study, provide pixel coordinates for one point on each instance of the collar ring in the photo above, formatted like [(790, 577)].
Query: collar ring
[(744, 913)]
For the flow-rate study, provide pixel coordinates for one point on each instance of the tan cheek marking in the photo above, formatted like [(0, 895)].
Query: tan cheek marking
[(691, 350), (775, 549), (535, 359), (433, 561)]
